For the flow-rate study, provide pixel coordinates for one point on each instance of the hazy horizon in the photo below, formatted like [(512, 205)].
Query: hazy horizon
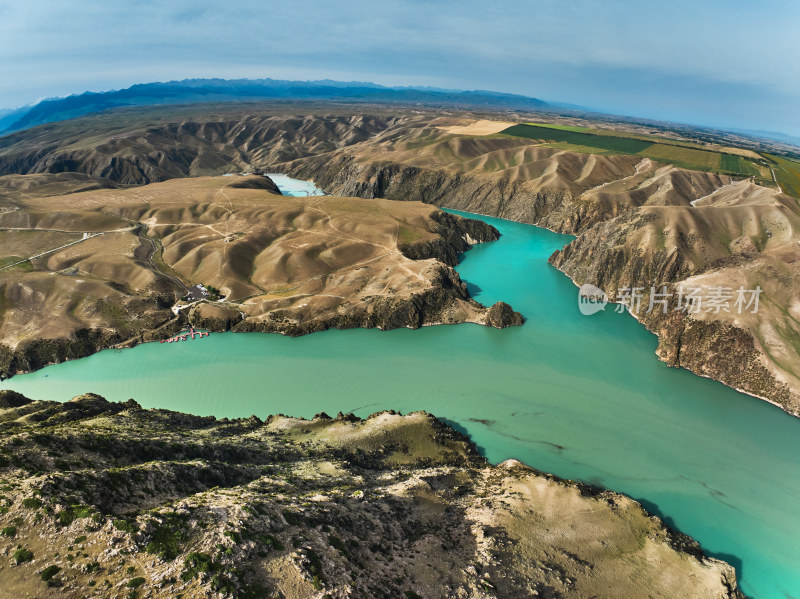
[(720, 64)]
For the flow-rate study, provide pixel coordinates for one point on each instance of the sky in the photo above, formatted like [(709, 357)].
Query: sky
[(730, 64)]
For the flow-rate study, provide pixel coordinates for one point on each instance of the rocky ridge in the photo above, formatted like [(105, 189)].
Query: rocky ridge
[(103, 499)]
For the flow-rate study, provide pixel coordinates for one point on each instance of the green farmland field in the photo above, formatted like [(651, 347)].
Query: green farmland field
[(741, 165), (729, 162), (788, 174), (680, 154), (622, 145)]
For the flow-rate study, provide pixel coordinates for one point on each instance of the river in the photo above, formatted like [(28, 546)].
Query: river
[(583, 397)]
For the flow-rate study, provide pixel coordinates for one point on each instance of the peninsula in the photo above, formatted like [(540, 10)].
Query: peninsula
[(109, 264)]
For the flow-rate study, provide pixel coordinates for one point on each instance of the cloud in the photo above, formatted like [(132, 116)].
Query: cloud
[(580, 51)]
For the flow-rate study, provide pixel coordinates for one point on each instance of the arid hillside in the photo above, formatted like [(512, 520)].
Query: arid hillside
[(106, 266), (641, 222), (102, 499), (146, 146)]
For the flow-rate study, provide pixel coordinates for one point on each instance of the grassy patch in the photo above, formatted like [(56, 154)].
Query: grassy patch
[(197, 563), (74, 512), (682, 155), (234, 536), (337, 544), (124, 526), (32, 503), (739, 165), (407, 235), (314, 568), (9, 531), (729, 162), (167, 537), (291, 518), (270, 542), (679, 155), (8, 260), (564, 127)]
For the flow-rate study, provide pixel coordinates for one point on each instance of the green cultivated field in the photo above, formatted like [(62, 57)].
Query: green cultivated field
[(729, 162), (680, 154), (622, 145), (788, 174)]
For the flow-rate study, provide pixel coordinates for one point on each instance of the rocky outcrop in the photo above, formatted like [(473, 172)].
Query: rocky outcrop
[(12, 399), (502, 315), (101, 496), (676, 249), (455, 236), (263, 183), (214, 317)]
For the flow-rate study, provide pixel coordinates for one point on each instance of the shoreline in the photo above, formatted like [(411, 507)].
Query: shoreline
[(698, 374), (461, 454)]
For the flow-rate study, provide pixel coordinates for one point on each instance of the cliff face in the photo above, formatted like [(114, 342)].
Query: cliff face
[(639, 224), (103, 498), (444, 301), (717, 248), (512, 200), (561, 191)]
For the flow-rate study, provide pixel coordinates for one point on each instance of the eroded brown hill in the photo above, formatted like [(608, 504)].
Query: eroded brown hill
[(641, 223), (135, 148), (107, 265)]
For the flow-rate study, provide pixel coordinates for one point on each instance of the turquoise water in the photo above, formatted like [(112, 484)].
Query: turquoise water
[(580, 396), (294, 187)]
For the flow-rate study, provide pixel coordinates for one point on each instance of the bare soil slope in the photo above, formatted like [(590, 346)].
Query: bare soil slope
[(111, 264)]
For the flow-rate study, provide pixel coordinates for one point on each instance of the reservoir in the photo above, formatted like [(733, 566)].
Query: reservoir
[(583, 397)]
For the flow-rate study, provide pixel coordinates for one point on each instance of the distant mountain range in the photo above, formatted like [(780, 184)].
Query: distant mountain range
[(773, 135), (191, 91)]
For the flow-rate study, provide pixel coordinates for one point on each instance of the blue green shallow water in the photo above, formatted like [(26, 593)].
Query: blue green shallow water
[(581, 397)]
